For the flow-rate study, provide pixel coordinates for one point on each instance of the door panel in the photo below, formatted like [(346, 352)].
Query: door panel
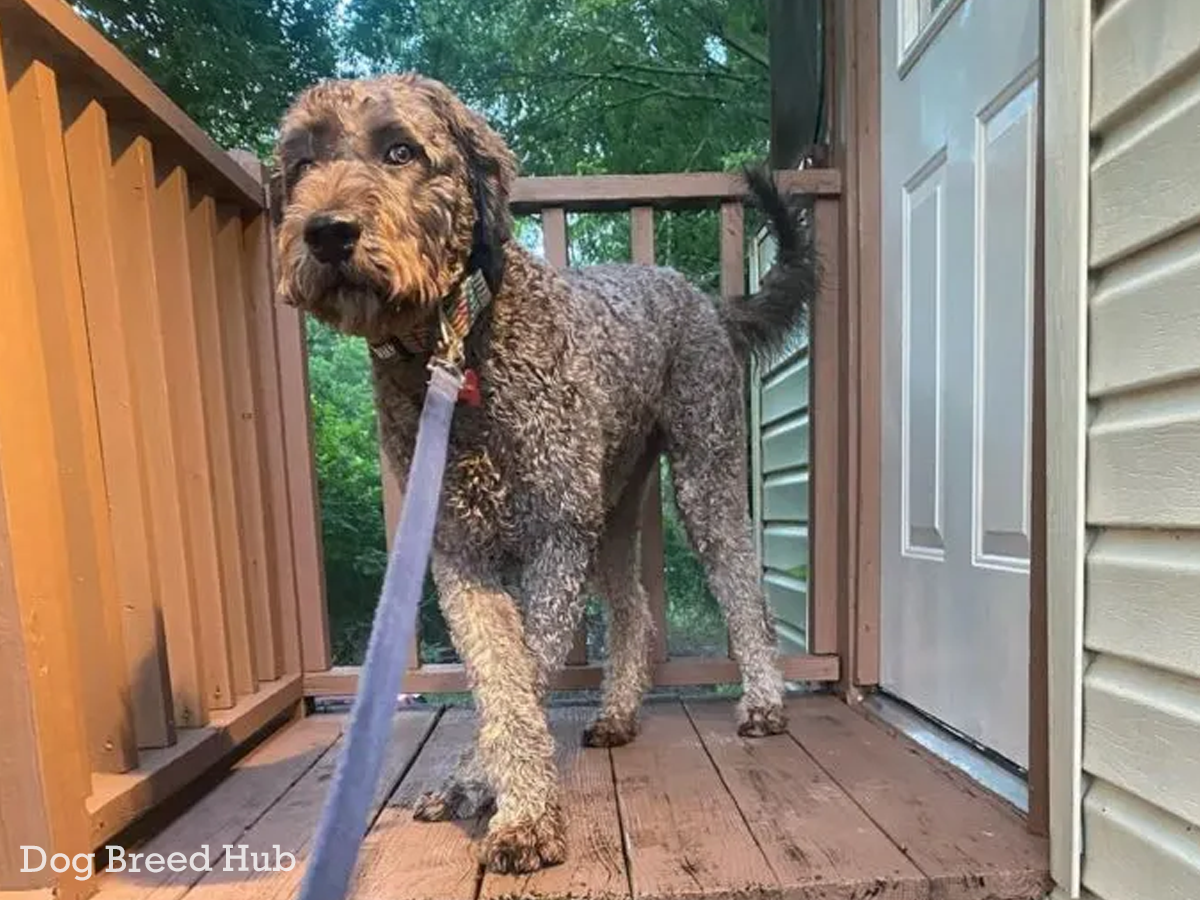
[(959, 108)]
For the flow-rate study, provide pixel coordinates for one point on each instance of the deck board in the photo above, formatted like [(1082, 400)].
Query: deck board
[(595, 867), (291, 823), (683, 832), (403, 859), (223, 815), (840, 809), (819, 844), (965, 843)]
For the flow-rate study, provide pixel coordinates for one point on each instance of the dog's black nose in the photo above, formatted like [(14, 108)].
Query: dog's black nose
[(331, 239)]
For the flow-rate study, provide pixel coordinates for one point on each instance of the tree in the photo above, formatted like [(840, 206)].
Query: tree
[(232, 65)]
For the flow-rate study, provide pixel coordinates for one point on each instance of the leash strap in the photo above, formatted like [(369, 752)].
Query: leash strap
[(344, 819)]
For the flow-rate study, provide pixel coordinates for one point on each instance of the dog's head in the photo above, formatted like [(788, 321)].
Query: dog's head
[(386, 193)]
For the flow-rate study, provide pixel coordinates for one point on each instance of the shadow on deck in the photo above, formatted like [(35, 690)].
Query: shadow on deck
[(841, 808)]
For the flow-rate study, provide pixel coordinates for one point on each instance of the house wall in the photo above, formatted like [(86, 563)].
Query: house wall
[(779, 472), (1141, 610)]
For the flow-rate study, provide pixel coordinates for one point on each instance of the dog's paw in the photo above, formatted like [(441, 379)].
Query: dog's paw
[(610, 731), (760, 721), (452, 803), (526, 846)]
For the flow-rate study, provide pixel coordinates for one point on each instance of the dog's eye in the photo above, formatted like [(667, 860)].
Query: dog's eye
[(300, 168), (398, 154)]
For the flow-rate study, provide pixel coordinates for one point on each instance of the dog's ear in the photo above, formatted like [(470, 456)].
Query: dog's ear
[(491, 169)]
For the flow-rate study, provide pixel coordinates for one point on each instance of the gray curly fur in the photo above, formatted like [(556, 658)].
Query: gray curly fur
[(587, 375)]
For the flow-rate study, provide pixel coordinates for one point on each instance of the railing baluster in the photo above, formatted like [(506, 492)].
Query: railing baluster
[(641, 242), (43, 741), (251, 501), (181, 613), (260, 282), (226, 629), (302, 490), (146, 649), (826, 441), (89, 163), (89, 540)]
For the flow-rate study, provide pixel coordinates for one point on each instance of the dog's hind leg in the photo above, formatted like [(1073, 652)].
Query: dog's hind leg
[(617, 579), (706, 442)]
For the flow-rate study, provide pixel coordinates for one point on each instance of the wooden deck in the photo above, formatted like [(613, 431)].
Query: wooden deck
[(838, 810)]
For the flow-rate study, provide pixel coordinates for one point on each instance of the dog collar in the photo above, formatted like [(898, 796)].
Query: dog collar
[(457, 315)]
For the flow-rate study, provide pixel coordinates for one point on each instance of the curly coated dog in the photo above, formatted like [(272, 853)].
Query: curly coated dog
[(387, 194)]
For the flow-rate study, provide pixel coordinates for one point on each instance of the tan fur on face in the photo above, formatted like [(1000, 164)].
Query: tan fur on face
[(418, 219)]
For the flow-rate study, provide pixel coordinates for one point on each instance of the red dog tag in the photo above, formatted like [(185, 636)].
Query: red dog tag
[(469, 392)]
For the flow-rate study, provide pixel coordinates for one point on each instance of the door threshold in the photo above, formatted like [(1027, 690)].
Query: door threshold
[(998, 776)]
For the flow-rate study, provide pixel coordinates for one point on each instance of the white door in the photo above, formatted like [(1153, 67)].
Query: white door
[(959, 149)]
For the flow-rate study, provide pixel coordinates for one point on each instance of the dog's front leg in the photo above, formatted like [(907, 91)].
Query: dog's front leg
[(515, 748), (552, 589)]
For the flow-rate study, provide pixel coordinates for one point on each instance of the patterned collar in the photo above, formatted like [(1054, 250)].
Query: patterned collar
[(457, 315)]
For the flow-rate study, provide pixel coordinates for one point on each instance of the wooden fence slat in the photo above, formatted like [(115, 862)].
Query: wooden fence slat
[(826, 440), (226, 634), (302, 488), (555, 242), (190, 667), (554, 236), (265, 351), (43, 782), (251, 499), (641, 242), (733, 247), (89, 165), (146, 651), (42, 171)]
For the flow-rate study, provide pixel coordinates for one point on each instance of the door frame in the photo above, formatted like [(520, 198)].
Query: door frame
[(853, 40)]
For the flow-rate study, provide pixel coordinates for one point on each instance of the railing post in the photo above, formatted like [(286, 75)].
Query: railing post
[(827, 463)]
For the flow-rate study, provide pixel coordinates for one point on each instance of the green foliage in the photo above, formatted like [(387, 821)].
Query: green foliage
[(348, 478), (232, 65)]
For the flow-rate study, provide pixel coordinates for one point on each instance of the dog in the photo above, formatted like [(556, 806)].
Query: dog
[(387, 195)]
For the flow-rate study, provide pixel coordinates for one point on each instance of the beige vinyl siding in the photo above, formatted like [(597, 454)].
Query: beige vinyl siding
[(1141, 721), (779, 438)]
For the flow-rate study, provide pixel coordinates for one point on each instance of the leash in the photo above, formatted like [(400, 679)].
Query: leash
[(343, 822)]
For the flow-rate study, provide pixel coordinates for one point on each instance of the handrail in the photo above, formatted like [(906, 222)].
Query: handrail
[(673, 190), (54, 30)]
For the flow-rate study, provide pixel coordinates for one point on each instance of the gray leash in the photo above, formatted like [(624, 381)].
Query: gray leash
[(344, 819)]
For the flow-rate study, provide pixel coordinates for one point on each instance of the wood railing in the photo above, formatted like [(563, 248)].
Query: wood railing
[(552, 198), (157, 517)]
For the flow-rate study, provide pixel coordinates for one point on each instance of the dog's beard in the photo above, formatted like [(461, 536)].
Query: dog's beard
[(352, 298)]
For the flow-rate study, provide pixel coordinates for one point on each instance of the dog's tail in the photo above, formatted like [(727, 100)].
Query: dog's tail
[(764, 322)]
